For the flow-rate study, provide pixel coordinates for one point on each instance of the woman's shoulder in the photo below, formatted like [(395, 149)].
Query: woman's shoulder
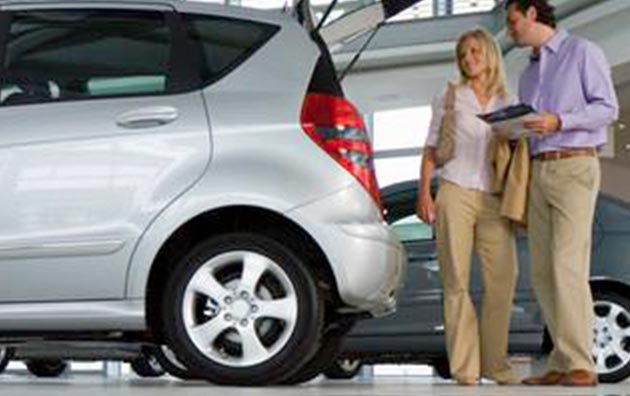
[(440, 96)]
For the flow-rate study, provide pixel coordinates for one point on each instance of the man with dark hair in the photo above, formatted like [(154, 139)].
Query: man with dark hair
[(568, 82)]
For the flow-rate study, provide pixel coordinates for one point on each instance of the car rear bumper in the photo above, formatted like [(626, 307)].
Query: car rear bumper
[(366, 257), (373, 264)]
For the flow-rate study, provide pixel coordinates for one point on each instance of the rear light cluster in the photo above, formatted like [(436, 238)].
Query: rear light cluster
[(338, 128)]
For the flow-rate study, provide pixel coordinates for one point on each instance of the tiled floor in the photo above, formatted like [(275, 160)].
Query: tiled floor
[(95, 385)]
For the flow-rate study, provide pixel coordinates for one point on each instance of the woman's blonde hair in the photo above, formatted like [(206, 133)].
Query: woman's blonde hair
[(495, 77)]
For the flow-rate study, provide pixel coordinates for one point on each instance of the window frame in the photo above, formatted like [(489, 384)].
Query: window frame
[(176, 71), (197, 48), (185, 55)]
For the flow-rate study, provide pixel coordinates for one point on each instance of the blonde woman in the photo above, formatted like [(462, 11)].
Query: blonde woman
[(467, 214)]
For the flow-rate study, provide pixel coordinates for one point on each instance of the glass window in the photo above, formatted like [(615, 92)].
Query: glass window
[(225, 42), (411, 228), (424, 9), (470, 6), (86, 53), (401, 128)]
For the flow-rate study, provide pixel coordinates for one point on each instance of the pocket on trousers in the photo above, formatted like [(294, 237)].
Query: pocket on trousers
[(582, 172)]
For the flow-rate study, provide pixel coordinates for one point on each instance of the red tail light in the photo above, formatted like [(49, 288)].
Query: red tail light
[(337, 127)]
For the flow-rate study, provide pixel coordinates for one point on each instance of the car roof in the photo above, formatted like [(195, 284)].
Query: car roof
[(203, 7), (170, 2)]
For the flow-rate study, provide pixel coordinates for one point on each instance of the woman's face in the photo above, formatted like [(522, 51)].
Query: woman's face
[(472, 58)]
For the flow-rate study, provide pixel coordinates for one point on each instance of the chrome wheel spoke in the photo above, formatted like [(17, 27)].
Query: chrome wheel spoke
[(601, 360), (253, 348), (618, 350), (203, 282), (284, 309), (254, 266), (205, 334)]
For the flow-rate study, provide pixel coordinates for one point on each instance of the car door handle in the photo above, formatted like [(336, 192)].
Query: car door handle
[(147, 117)]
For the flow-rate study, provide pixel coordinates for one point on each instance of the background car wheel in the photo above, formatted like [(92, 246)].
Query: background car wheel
[(147, 365), (46, 368), (167, 359), (243, 309), (611, 336), (325, 356), (442, 367), (5, 357), (343, 369)]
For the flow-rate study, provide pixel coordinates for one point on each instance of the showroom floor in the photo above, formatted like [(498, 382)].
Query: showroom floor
[(95, 385)]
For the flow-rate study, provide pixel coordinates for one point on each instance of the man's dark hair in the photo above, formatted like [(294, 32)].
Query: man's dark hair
[(544, 10)]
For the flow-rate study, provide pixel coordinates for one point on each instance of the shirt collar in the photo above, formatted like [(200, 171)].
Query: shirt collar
[(556, 40)]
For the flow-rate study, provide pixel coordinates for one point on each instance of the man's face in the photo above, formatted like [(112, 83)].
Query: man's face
[(520, 26)]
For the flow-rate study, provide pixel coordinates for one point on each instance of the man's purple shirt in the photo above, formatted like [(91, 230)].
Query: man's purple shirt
[(572, 79)]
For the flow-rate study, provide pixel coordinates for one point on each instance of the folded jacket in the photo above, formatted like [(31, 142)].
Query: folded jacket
[(511, 171)]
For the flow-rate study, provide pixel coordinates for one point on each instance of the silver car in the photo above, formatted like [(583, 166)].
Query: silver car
[(190, 175)]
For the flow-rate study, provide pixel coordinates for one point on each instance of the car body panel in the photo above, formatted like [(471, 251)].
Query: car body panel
[(79, 193)]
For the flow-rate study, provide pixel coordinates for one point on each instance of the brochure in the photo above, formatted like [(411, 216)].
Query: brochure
[(509, 120)]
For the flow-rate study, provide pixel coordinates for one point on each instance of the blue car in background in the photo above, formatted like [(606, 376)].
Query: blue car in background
[(416, 332)]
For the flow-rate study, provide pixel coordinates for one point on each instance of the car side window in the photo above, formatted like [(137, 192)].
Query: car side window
[(225, 42), (412, 229), (81, 54)]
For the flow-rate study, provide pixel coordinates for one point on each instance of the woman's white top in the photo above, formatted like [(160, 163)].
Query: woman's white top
[(470, 165)]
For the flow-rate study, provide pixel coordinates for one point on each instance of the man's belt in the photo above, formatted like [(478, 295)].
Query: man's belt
[(566, 153)]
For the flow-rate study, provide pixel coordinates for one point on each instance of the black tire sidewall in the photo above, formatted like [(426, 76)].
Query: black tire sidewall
[(46, 368), (337, 371), (143, 368), (172, 368), (4, 362), (301, 344)]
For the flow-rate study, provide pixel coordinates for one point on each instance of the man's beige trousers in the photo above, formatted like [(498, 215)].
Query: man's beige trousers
[(561, 208), (466, 219)]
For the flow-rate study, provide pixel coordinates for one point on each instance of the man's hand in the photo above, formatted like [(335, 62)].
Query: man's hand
[(547, 123)]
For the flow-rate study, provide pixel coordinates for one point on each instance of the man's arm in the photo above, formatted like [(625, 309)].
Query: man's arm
[(602, 107)]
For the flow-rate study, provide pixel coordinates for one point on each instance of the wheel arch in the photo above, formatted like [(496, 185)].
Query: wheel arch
[(228, 220)]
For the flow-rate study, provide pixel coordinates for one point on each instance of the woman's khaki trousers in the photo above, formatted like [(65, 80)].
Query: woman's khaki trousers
[(470, 219)]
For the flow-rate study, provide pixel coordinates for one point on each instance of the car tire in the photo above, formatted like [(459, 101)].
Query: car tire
[(343, 369), (611, 348), (167, 359), (242, 309), (147, 365), (325, 356), (5, 357), (46, 368), (442, 367)]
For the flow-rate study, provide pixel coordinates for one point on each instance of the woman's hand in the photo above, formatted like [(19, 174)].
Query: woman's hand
[(426, 209)]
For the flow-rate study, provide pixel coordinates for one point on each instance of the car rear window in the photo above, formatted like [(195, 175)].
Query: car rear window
[(225, 43)]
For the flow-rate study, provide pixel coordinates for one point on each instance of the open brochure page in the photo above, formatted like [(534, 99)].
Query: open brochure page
[(509, 121)]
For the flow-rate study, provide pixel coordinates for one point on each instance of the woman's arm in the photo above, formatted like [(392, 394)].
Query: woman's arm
[(426, 208)]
